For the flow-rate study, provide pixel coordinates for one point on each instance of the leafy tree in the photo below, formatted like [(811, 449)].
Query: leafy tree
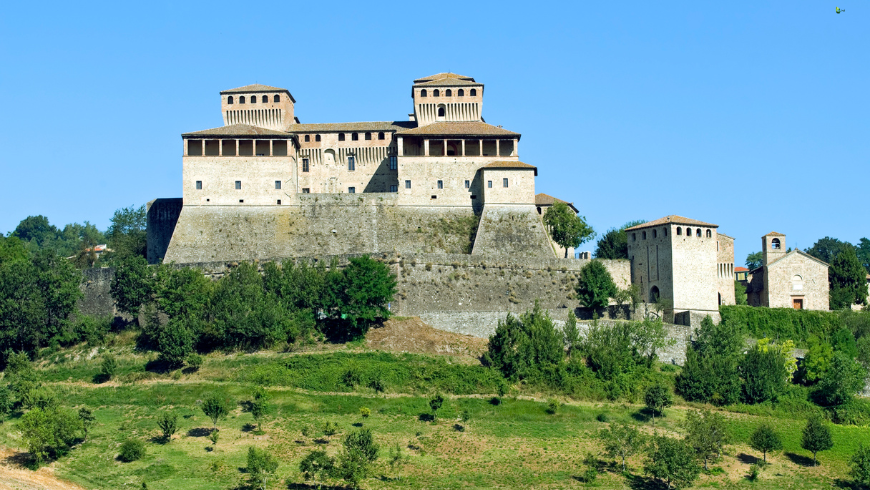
[(843, 341), (175, 341), (369, 288), (567, 228), (844, 378), (435, 404), (571, 333), (36, 229), (258, 405), (58, 281), (133, 284), (49, 433), (22, 308), (614, 243), (12, 249), (848, 279), (816, 437), (131, 450), (215, 407), (658, 397), (317, 466), (863, 252), (754, 260), (6, 402), (740, 296), (168, 423), (359, 452), (523, 346), (860, 464), (765, 439), (672, 461), (711, 373), (261, 466), (764, 373), (816, 360), (87, 420), (707, 433), (126, 234), (826, 249), (595, 285), (621, 441), (648, 336)]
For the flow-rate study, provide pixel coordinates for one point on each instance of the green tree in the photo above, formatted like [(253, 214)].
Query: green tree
[(258, 404), (571, 333), (765, 439), (175, 341), (108, 366), (168, 423), (826, 249), (316, 465), (754, 260), (860, 464), (671, 461), (49, 433), (369, 288), (621, 441), (843, 379), (595, 285), (863, 252), (215, 407), (707, 434), (22, 308), (359, 452), (658, 397), (816, 437), (848, 279), (36, 229), (261, 466), (567, 228), (648, 336), (12, 249), (843, 341), (435, 404), (816, 360), (131, 450), (614, 243), (740, 296), (711, 371), (126, 233), (133, 285), (525, 345), (58, 281), (764, 375), (87, 420)]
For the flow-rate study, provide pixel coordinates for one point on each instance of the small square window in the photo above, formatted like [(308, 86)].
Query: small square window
[(440, 184), (368, 136), (351, 190), (489, 184), (277, 184), (394, 188), (279, 201), (407, 184), (504, 182), (306, 190), (468, 184), (304, 164), (340, 136), (199, 185), (238, 184), (351, 163), (394, 163), (354, 136), (307, 138)]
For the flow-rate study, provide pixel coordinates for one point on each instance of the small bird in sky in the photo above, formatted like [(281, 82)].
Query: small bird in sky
[(839, 10)]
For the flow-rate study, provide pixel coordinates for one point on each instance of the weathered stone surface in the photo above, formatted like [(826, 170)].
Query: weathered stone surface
[(512, 230)]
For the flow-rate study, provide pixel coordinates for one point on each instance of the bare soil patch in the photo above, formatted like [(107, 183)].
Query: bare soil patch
[(15, 477), (411, 334)]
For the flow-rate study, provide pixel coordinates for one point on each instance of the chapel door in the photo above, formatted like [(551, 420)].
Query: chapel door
[(798, 303)]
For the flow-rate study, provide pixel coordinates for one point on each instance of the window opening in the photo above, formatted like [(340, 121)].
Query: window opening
[(277, 184), (351, 163), (489, 184), (351, 190), (279, 201), (394, 163), (304, 164), (423, 93), (449, 93), (473, 92), (440, 112), (407, 184), (440, 184), (655, 234), (394, 188), (643, 236), (306, 190), (199, 185), (774, 244), (436, 93), (340, 136), (688, 232), (461, 93), (504, 182), (238, 184), (307, 138), (709, 234), (698, 233), (317, 137), (277, 98), (467, 184), (241, 99), (265, 99), (230, 99), (380, 135), (679, 230), (354, 136)]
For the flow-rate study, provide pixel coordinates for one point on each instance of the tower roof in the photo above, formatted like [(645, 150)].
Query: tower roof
[(256, 87), (774, 233), (469, 128), (236, 130), (449, 82), (673, 218), (542, 199), (442, 76)]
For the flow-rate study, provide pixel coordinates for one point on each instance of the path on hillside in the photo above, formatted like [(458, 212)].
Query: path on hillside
[(13, 476)]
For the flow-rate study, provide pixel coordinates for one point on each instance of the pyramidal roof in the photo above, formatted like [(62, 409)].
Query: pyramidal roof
[(443, 76), (673, 218), (256, 87)]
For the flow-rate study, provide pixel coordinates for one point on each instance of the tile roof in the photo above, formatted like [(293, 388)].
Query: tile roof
[(448, 82), (673, 219), (254, 88), (511, 164), (459, 129), (352, 126), (774, 233), (548, 200), (741, 269), (238, 130), (441, 76)]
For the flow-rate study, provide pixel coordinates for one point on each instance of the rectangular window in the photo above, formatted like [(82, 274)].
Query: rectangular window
[(198, 185), (407, 184), (468, 184), (304, 164), (351, 190), (351, 163), (340, 136), (279, 201), (238, 184), (504, 182), (277, 184), (306, 190), (394, 163), (394, 188), (440, 184), (368, 136), (307, 138), (354, 136), (489, 184)]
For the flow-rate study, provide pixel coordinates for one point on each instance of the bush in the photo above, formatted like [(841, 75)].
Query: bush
[(786, 323), (524, 346), (316, 465), (843, 379), (595, 286), (552, 406), (108, 367), (358, 454), (711, 374), (215, 407), (195, 361), (330, 428), (261, 466), (764, 374), (168, 423), (602, 417), (860, 465), (365, 412), (49, 433), (657, 398), (131, 450), (435, 404)]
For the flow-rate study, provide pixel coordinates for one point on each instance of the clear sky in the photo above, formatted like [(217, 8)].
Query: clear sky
[(751, 115)]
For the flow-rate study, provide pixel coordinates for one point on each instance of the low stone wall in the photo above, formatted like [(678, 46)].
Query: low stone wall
[(96, 286)]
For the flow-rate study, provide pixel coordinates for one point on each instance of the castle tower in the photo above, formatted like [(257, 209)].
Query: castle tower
[(447, 97), (772, 247), (258, 105)]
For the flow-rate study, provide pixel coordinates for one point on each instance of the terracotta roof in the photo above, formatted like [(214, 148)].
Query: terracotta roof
[(726, 236), (459, 129), (511, 164), (741, 269), (237, 130), (673, 219), (352, 127), (441, 76), (548, 200), (449, 82), (254, 88), (773, 233)]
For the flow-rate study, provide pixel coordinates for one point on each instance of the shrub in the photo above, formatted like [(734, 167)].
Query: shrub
[(602, 417), (657, 398), (330, 428), (365, 412), (316, 465), (754, 472), (358, 454), (552, 406), (842, 380), (168, 423), (108, 366), (435, 404), (524, 346), (860, 465), (195, 361), (87, 419), (764, 374), (595, 286), (131, 450), (261, 466), (672, 461), (711, 373), (48, 433)]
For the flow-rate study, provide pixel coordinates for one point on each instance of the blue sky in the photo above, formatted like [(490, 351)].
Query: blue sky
[(751, 115)]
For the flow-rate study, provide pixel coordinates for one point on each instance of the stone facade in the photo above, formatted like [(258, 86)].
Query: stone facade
[(788, 279), (725, 269)]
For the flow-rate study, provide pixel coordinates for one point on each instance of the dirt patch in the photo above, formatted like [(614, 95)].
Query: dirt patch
[(410, 334), (15, 477)]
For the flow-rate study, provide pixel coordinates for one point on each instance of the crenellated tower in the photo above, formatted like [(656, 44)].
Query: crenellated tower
[(447, 97), (258, 105)]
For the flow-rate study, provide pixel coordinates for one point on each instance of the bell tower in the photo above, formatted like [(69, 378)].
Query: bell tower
[(772, 247)]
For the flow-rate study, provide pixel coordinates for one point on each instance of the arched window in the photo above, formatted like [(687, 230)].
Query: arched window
[(473, 92), (317, 138), (440, 112), (688, 232), (340, 136), (423, 93), (230, 99), (241, 99), (679, 230), (277, 98), (709, 234), (449, 93), (265, 99), (774, 244), (461, 93), (655, 234), (436, 93), (654, 294), (380, 135), (643, 236), (307, 138), (698, 233), (797, 283)]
